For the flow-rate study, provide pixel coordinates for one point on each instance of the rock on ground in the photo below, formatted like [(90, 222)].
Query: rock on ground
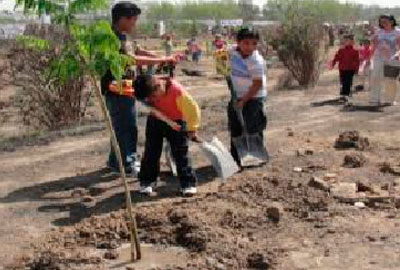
[(354, 160), (352, 139)]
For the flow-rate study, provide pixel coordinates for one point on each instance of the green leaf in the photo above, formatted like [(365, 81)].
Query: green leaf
[(32, 42)]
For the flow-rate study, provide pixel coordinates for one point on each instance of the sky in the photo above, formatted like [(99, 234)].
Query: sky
[(9, 4), (385, 3)]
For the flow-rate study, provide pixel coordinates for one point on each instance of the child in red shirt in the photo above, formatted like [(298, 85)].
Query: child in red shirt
[(219, 43), (349, 62), (366, 52)]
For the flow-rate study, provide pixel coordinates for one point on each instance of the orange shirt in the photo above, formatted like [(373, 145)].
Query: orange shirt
[(177, 104)]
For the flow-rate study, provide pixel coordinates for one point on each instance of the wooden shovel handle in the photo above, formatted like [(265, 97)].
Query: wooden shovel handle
[(159, 115)]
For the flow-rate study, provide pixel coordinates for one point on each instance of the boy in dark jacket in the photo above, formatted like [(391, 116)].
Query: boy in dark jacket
[(349, 62), (121, 104)]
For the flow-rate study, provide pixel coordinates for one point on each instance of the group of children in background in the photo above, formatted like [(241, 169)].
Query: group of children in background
[(369, 62), (194, 50)]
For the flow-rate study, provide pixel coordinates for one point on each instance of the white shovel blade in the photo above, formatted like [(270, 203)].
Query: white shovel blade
[(220, 158)]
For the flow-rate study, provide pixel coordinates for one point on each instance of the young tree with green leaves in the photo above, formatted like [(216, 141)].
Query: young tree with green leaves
[(92, 51)]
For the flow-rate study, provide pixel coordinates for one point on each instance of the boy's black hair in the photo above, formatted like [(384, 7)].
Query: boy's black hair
[(247, 33), (367, 42), (389, 17), (124, 9), (143, 86)]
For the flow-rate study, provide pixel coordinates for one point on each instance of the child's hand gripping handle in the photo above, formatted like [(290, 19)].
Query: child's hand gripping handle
[(159, 115), (175, 126), (171, 69)]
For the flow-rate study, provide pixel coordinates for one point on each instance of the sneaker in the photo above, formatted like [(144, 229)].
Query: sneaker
[(131, 171), (393, 103), (135, 169), (349, 101), (146, 190), (189, 191), (112, 169)]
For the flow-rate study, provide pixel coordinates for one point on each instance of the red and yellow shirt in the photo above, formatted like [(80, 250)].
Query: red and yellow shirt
[(178, 104)]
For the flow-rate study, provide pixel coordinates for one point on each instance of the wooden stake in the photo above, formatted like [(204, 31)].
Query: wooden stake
[(136, 253)]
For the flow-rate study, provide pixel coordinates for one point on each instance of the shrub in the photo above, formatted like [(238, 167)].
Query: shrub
[(301, 42), (43, 100)]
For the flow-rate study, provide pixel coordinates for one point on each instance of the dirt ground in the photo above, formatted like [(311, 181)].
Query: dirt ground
[(313, 206)]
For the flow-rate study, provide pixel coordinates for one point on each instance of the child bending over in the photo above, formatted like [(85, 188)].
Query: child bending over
[(174, 102)]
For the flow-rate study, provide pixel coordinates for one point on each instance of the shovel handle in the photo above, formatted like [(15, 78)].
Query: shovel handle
[(197, 140), (239, 113), (159, 115), (234, 100)]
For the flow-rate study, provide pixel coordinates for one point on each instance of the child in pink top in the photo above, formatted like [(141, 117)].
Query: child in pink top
[(365, 55), (365, 63)]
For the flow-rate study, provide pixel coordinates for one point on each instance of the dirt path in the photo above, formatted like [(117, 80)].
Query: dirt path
[(37, 184)]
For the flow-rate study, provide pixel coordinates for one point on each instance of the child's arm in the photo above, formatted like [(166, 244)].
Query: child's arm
[(190, 111), (141, 52), (335, 59), (357, 61), (257, 71), (396, 56), (375, 42), (146, 60), (253, 90)]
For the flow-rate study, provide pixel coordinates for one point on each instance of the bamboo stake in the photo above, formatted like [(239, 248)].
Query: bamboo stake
[(135, 244)]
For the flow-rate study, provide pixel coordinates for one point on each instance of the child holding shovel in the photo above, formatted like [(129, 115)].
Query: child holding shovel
[(249, 86), (171, 99)]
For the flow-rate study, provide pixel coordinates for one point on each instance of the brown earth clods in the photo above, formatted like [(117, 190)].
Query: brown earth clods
[(354, 160), (352, 139), (336, 204), (237, 227)]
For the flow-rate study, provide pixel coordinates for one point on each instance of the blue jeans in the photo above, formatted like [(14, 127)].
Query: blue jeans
[(123, 116), (196, 56)]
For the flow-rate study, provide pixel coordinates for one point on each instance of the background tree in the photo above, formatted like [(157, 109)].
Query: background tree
[(183, 18), (300, 41), (332, 11)]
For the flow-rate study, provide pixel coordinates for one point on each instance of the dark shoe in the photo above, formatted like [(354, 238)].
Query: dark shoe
[(129, 171)]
